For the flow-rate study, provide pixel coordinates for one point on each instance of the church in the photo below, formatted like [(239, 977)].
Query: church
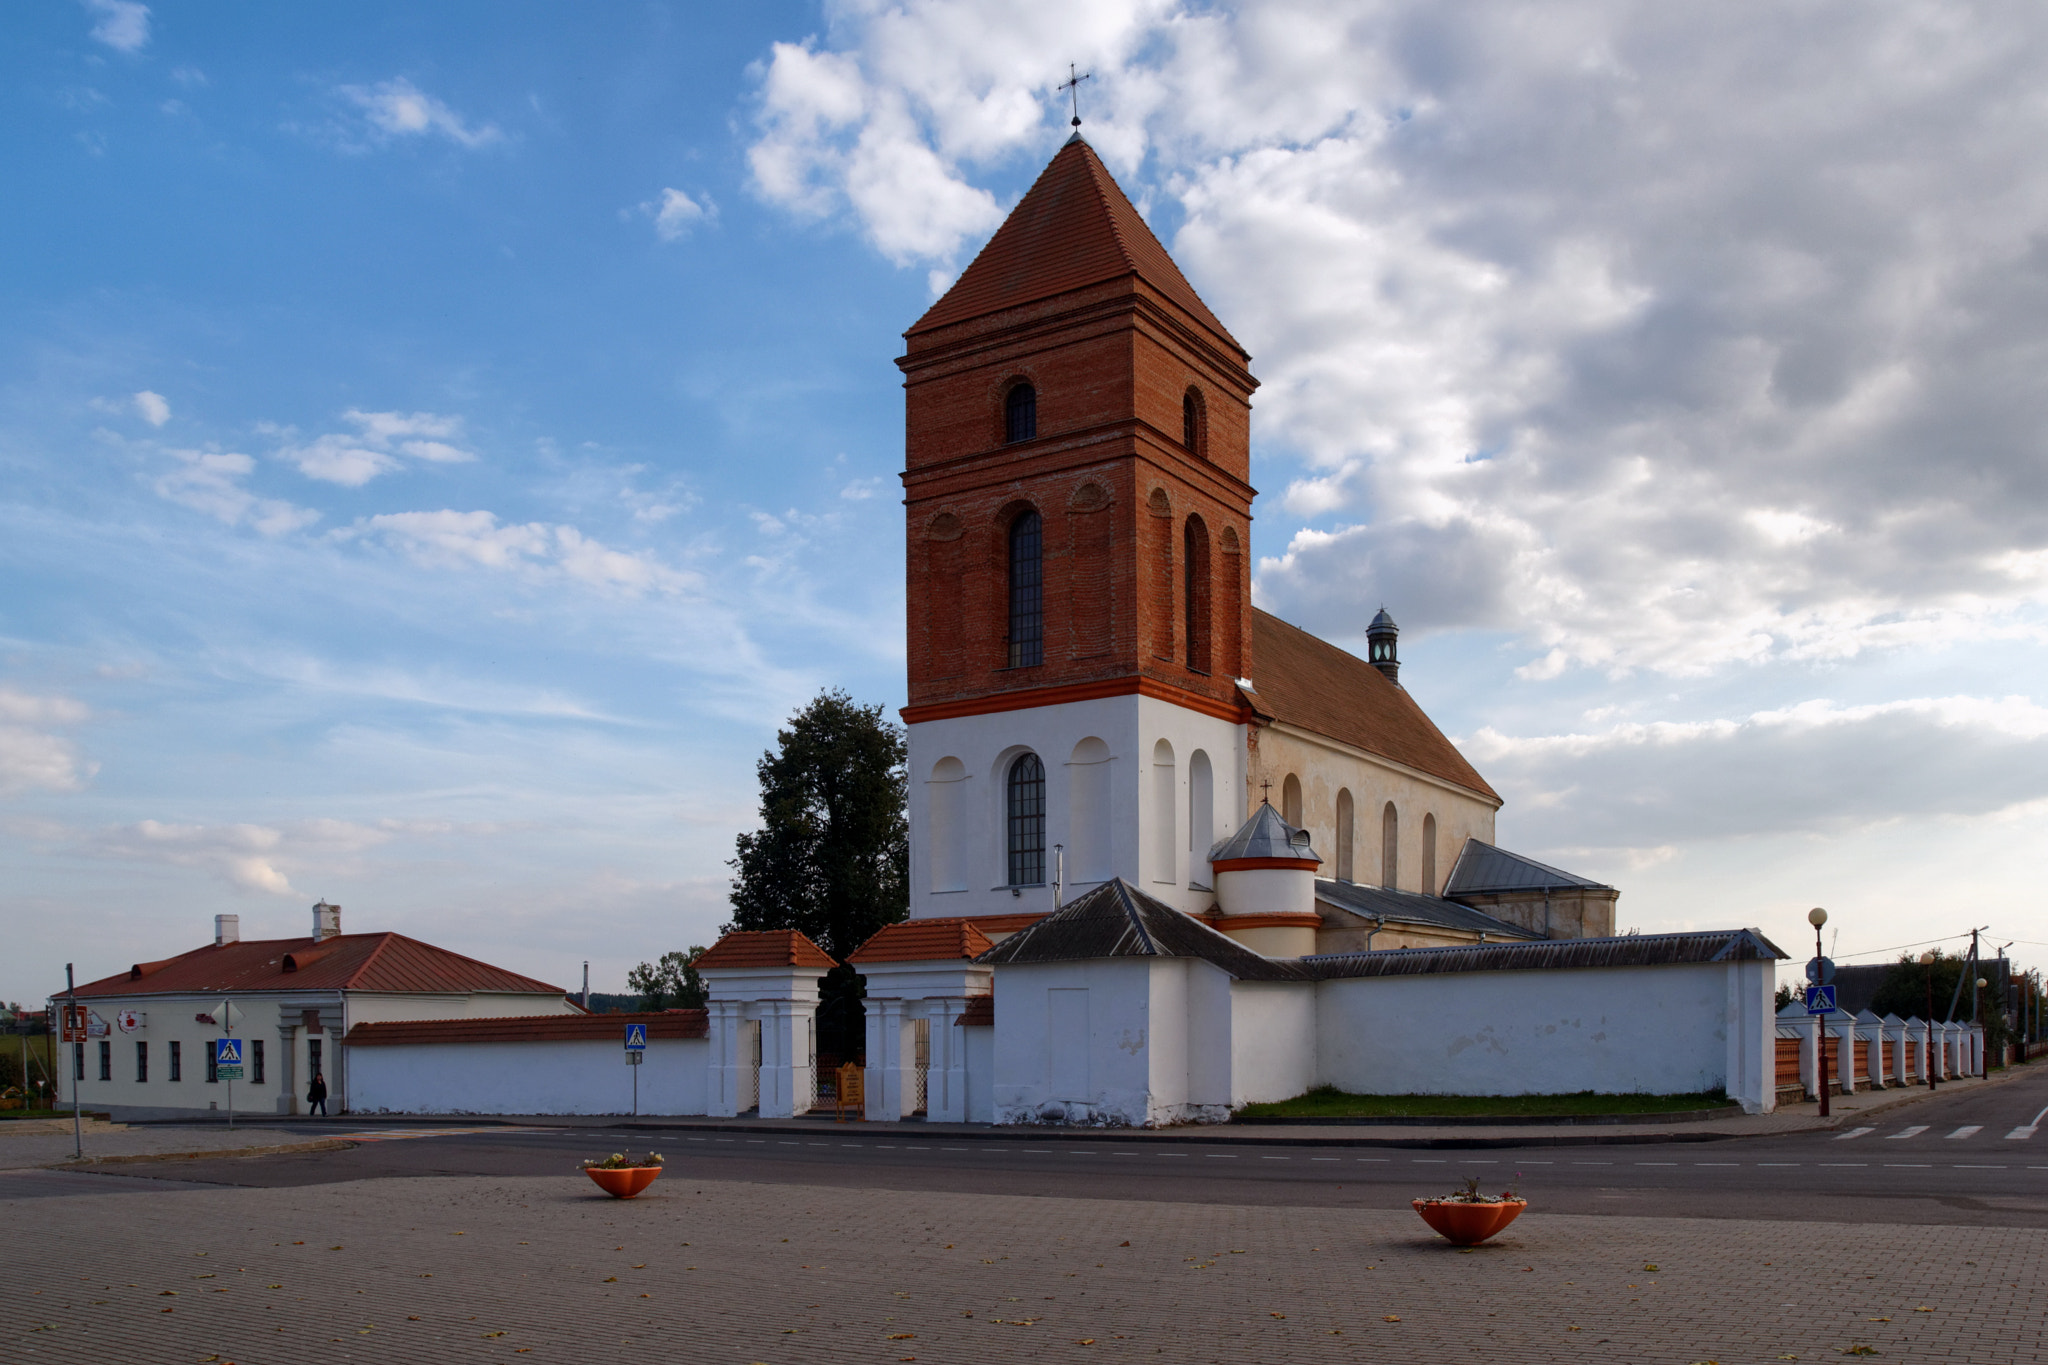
[(1169, 854)]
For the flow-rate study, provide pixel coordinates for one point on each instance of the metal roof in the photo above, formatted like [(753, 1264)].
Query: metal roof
[(1265, 835), (1117, 920), (1483, 868), (1633, 950), (1412, 907)]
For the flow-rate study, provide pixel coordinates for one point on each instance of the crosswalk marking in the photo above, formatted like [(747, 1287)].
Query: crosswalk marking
[(1967, 1130), (1915, 1131), (1853, 1133), (2019, 1135)]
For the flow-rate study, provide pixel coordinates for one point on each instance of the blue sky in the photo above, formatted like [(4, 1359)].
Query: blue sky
[(438, 444)]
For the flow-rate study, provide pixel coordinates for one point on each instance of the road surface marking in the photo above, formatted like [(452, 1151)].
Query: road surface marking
[(2023, 1134), (1326, 1158), (1656, 1163), (1221, 1156), (1853, 1133), (1976, 1168), (1381, 1159), (1915, 1131), (1276, 1158), (1907, 1165), (1777, 1163), (1967, 1130), (1842, 1163), (1717, 1163)]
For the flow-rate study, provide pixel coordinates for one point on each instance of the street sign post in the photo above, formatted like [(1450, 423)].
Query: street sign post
[(636, 1048), (227, 1065), (1820, 999)]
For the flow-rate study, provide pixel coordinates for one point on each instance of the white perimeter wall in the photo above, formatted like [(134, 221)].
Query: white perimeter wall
[(1655, 1030), (1272, 1040), (527, 1078)]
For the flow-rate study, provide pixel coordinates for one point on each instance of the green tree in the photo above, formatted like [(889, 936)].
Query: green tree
[(832, 856), (670, 984)]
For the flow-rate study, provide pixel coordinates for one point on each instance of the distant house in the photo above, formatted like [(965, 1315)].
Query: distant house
[(149, 1053)]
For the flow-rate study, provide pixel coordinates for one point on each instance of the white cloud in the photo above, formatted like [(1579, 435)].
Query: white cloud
[(210, 481), (153, 408), (676, 214), (1659, 338), (450, 539), (31, 757), (253, 857), (400, 109), (352, 459), (122, 24)]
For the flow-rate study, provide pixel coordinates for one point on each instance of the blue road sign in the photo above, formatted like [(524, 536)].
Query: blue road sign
[(1820, 971), (1820, 999), (636, 1037), (227, 1051)]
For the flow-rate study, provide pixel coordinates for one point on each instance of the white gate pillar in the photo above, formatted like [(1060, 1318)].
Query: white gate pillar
[(1895, 1046), (886, 1029), (772, 975)]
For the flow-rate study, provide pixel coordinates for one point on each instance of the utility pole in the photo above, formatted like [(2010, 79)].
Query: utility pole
[(1927, 1037)]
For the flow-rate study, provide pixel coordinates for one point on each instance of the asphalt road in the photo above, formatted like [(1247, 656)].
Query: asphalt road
[(1973, 1158)]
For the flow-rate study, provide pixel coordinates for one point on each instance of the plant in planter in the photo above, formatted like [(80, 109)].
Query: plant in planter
[(622, 1176), (1466, 1217)]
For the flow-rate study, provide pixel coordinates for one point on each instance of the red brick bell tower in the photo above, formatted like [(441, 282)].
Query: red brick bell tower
[(1077, 464)]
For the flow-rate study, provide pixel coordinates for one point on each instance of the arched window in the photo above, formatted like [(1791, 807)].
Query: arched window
[(1429, 855), (1191, 422), (1201, 817), (1346, 836), (1195, 577), (1165, 814), (1390, 848), (1027, 591), (1020, 413), (1290, 800), (1025, 799), (1088, 815), (946, 827)]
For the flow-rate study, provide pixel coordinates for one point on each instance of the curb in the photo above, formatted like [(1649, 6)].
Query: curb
[(81, 1164), (1726, 1111)]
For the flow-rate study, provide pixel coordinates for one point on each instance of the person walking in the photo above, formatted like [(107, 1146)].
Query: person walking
[(316, 1096)]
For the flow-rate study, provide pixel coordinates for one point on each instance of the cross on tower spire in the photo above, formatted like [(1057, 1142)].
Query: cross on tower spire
[(1073, 83)]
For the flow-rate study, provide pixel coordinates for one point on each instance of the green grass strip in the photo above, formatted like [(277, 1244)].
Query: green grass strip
[(1328, 1102)]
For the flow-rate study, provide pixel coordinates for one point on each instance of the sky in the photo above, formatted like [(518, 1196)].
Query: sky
[(439, 444)]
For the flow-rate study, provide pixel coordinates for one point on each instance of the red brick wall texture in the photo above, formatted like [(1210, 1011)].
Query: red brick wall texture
[(1112, 361)]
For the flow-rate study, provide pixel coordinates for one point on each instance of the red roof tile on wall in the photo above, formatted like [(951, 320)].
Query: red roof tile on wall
[(356, 962), (533, 1028), (745, 948), (1073, 228), (923, 940), (1313, 684)]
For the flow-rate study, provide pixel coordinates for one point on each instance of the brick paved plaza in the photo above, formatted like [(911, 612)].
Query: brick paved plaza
[(538, 1269)]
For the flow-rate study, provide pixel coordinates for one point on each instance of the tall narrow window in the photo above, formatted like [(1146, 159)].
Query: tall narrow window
[(78, 1061), (1390, 848), (1027, 591), (1195, 576), (177, 1060), (106, 1060), (1346, 837), (1429, 855), (1190, 421), (1020, 414), (256, 1061), (141, 1060), (1026, 802), (1290, 800)]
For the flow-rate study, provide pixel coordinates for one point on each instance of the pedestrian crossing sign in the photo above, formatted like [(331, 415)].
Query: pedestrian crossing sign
[(1820, 999), (227, 1051), (636, 1037)]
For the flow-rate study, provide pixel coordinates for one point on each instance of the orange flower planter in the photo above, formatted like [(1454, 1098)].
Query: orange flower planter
[(624, 1182), (1468, 1224)]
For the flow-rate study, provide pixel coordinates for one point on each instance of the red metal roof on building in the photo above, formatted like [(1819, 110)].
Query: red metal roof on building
[(1074, 228), (1313, 684), (353, 962), (765, 948), (532, 1028), (924, 940)]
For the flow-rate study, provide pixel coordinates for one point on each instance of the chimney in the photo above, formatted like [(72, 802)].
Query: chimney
[(226, 929), (326, 921)]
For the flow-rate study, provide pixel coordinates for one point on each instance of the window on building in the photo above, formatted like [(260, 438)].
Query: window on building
[(1026, 805), (1390, 848), (177, 1060), (212, 1063), (312, 1056), (106, 1061), (1027, 591), (1190, 422), (78, 1061), (1020, 414), (1290, 800), (1429, 855), (1347, 838), (255, 1061), (141, 1060), (1195, 580)]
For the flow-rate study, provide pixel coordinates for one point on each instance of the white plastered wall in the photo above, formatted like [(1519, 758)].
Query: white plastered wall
[(1272, 1040), (1327, 767), (1653, 1030), (1146, 812), (528, 1078)]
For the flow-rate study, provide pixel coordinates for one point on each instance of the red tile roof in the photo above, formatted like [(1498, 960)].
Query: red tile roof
[(1007, 924), (532, 1028), (1315, 685), (765, 948), (1074, 228), (354, 962), (924, 940)]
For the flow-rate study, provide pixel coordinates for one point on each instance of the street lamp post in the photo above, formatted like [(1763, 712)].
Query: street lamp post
[(1983, 1053), (1817, 917)]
